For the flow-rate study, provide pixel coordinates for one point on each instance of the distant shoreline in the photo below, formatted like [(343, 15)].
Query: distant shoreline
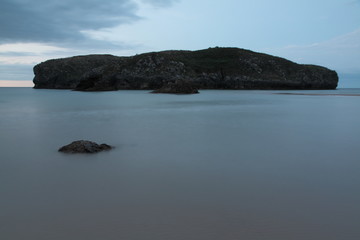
[(319, 94)]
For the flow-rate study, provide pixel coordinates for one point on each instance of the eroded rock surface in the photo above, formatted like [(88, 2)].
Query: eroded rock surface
[(83, 146)]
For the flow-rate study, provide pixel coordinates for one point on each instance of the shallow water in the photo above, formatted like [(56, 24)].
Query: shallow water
[(217, 165)]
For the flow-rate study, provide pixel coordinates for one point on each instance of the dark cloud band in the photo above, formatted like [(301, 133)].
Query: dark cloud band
[(52, 20)]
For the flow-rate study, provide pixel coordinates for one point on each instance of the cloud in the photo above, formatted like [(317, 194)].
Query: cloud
[(34, 31), (160, 3), (341, 53), (29, 48), (84, 38), (56, 21), (50, 20), (30, 53)]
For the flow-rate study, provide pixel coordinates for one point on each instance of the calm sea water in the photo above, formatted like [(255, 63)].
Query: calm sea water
[(226, 165)]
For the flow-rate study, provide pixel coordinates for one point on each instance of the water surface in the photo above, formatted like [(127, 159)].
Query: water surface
[(217, 165)]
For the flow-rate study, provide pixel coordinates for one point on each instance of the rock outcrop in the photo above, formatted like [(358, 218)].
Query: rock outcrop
[(83, 146), (213, 68)]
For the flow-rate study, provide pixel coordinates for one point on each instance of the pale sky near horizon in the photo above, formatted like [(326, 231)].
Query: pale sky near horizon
[(322, 32)]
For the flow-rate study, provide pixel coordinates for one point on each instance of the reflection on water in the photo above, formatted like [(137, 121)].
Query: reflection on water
[(216, 165)]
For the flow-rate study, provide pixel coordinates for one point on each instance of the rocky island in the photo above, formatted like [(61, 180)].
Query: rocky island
[(213, 68)]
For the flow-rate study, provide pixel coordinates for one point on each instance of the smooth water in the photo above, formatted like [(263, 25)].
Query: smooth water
[(219, 165)]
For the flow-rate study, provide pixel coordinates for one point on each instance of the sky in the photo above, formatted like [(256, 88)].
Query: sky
[(322, 32)]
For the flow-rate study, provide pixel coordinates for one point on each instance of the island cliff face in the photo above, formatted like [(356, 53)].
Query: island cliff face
[(213, 68)]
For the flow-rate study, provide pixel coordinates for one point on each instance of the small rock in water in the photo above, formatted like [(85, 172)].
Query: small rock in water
[(83, 146)]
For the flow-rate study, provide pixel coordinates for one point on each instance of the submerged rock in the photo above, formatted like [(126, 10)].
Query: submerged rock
[(213, 68), (179, 87), (83, 146)]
